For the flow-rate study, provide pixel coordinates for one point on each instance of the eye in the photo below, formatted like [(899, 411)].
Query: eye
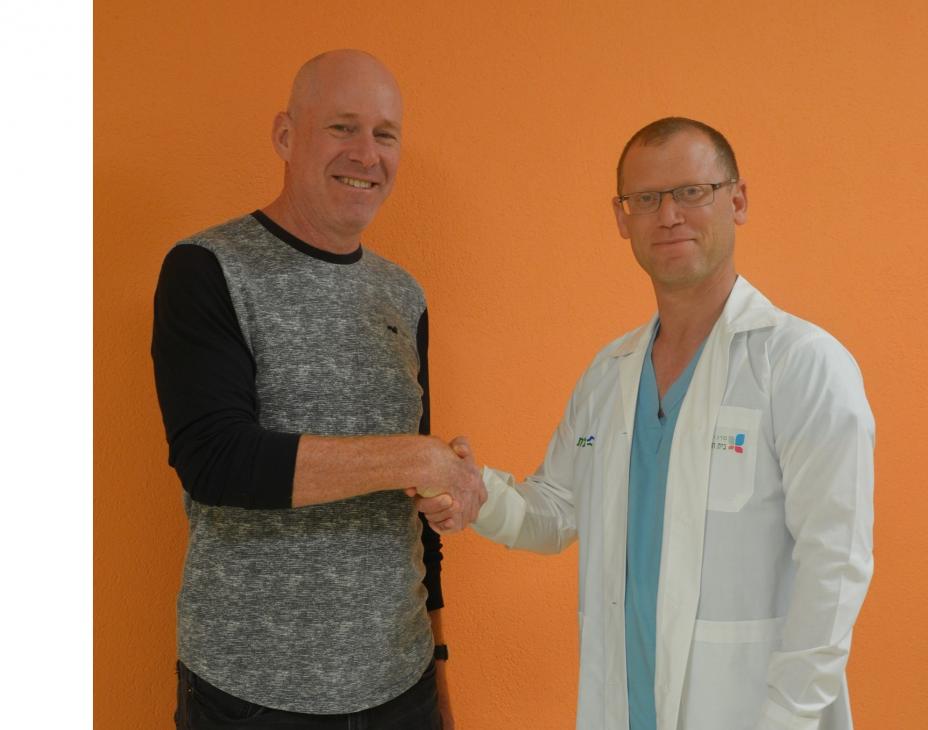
[(643, 198), (341, 129), (691, 193), (387, 137)]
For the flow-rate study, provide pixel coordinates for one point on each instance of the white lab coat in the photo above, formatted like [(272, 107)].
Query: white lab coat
[(767, 551)]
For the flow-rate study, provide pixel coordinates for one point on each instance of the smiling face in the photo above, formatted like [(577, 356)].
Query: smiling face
[(680, 247), (340, 140)]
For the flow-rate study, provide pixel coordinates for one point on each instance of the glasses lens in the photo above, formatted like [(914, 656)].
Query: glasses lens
[(693, 196), (639, 203)]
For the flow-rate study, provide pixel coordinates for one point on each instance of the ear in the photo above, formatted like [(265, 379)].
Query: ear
[(739, 202), (281, 135), (620, 218)]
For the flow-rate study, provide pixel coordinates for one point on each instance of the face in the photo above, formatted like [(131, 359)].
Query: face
[(341, 143), (679, 247)]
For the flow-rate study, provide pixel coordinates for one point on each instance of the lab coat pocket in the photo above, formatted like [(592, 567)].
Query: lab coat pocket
[(734, 458), (727, 673)]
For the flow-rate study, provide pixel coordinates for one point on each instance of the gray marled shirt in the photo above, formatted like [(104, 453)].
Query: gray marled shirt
[(319, 609)]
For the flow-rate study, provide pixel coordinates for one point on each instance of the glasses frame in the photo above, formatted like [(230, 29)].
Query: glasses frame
[(674, 193)]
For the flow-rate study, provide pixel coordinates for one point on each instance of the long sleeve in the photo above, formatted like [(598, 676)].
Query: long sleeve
[(824, 435), (431, 540), (537, 515), (205, 377)]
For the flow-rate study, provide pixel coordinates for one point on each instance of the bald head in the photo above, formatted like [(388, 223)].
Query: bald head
[(323, 75), (340, 142)]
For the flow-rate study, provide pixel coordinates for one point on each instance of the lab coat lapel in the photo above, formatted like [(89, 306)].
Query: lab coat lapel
[(630, 356), (684, 524)]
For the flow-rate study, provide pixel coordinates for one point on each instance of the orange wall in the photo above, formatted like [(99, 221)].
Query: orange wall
[(515, 115)]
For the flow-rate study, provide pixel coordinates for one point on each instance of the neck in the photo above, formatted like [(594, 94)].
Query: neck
[(288, 215), (688, 313)]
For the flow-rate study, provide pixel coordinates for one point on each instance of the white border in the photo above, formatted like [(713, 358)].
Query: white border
[(46, 172)]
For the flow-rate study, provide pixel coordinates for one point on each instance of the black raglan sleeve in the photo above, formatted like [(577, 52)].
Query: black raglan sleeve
[(431, 540), (205, 378)]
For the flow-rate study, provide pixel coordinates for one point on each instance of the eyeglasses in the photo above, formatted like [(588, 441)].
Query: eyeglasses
[(687, 196)]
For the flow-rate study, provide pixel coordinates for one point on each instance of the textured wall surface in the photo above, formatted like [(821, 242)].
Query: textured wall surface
[(515, 115)]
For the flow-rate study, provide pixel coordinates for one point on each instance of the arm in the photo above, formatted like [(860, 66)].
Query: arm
[(441, 677), (205, 376), (824, 440), (329, 468), (431, 540)]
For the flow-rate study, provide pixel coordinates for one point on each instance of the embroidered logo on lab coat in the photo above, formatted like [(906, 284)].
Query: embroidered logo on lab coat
[(584, 441)]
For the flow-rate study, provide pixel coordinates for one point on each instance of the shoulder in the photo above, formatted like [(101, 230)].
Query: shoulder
[(605, 363), (188, 267), (796, 344), (393, 276), (783, 339), (810, 368), (197, 267), (620, 346), (198, 257)]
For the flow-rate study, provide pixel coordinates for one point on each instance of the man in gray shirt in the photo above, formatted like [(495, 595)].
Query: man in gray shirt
[(293, 381)]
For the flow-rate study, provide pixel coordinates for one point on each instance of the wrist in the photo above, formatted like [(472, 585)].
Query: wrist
[(429, 465)]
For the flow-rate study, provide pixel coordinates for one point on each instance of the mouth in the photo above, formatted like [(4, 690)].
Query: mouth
[(355, 182), (672, 241)]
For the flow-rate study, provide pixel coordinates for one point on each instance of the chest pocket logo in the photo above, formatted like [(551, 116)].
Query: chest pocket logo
[(734, 458)]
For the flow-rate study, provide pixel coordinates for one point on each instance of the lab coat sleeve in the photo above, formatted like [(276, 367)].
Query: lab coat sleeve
[(824, 437), (538, 514)]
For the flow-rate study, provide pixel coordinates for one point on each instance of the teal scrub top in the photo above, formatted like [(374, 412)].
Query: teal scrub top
[(647, 484)]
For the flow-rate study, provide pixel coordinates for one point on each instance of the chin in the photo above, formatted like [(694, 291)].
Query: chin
[(359, 223), (357, 216), (678, 278)]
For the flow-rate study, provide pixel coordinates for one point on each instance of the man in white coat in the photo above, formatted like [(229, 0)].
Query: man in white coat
[(716, 465)]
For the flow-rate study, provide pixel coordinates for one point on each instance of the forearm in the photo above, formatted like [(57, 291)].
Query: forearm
[(330, 468), (437, 631), (431, 559), (441, 675), (536, 515)]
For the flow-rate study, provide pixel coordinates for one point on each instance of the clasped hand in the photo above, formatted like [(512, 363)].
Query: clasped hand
[(452, 501)]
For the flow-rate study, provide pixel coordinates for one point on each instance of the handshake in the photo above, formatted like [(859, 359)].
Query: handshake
[(452, 498)]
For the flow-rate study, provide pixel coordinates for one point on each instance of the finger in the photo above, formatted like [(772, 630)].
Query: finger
[(436, 518), (449, 525), (482, 494), (431, 505)]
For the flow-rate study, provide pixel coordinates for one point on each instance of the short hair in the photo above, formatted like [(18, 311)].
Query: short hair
[(656, 133)]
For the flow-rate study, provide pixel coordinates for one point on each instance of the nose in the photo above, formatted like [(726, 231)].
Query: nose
[(669, 214), (364, 151)]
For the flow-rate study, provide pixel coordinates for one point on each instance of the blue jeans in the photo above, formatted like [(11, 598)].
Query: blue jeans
[(200, 706)]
